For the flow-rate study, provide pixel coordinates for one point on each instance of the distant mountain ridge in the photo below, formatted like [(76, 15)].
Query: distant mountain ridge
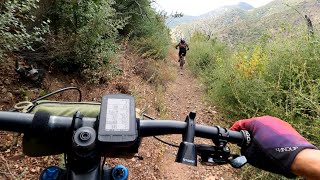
[(238, 25), (173, 22), (245, 6)]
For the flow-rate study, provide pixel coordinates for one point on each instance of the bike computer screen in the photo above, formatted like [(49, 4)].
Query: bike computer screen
[(117, 121)]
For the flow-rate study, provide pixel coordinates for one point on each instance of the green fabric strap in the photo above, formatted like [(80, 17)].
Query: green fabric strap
[(56, 108)]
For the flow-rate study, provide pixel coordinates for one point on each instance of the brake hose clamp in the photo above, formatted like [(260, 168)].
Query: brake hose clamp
[(77, 120), (223, 135)]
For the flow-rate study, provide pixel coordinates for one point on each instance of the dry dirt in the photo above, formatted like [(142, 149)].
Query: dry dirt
[(181, 96)]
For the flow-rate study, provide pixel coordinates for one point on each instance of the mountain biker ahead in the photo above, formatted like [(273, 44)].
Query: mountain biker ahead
[(183, 47)]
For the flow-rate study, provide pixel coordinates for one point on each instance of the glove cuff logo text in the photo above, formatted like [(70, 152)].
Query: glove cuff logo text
[(286, 149)]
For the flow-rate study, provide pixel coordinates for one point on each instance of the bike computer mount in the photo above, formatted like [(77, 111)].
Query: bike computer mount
[(118, 127)]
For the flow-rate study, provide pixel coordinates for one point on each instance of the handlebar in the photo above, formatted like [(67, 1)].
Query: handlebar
[(24, 123), (163, 127), (76, 137)]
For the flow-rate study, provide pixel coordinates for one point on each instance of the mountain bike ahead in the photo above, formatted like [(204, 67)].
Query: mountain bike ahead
[(182, 60), (113, 132)]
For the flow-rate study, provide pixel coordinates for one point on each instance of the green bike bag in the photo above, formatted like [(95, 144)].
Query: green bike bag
[(56, 108), (54, 144)]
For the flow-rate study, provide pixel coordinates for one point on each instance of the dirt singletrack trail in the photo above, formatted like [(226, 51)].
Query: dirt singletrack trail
[(157, 161), (181, 97)]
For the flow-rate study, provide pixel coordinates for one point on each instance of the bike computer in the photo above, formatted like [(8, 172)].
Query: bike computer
[(117, 121)]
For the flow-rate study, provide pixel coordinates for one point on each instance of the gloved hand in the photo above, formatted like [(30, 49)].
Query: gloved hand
[(274, 144)]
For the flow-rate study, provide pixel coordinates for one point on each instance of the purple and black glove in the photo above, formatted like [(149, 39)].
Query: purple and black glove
[(274, 146)]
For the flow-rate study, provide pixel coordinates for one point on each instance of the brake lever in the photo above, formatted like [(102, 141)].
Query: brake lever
[(238, 161)]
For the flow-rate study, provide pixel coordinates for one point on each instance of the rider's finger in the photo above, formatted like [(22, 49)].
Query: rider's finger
[(241, 125), (253, 124), (248, 124)]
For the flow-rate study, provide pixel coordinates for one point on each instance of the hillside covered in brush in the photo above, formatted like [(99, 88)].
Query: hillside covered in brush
[(236, 25)]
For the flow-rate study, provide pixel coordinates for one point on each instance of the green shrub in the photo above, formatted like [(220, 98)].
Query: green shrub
[(152, 37), (294, 71), (86, 34), (146, 27), (205, 53), (152, 46), (280, 78), (15, 34)]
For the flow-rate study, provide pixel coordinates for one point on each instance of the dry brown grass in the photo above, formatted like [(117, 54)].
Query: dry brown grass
[(158, 73)]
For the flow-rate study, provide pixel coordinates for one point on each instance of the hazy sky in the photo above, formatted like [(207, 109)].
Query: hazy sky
[(198, 7)]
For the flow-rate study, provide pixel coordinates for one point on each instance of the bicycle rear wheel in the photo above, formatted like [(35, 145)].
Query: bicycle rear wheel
[(181, 61)]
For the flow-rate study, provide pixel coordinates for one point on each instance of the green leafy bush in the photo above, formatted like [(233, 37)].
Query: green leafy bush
[(152, 37), (278, 78), (146, 27), (15, 34), (86, 34), (205, 53)]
